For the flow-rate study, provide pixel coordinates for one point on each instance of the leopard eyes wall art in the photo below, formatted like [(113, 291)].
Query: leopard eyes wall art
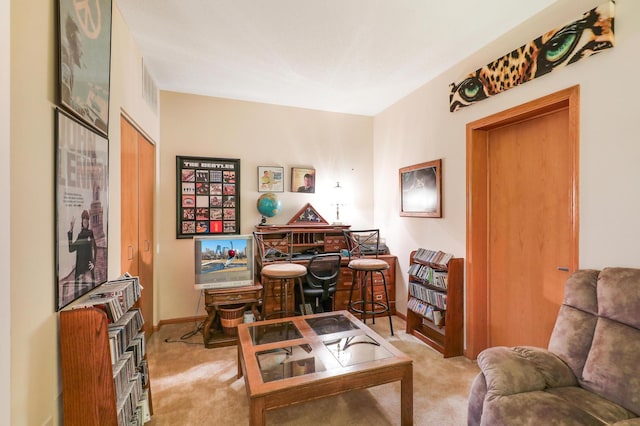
[(589, 35)]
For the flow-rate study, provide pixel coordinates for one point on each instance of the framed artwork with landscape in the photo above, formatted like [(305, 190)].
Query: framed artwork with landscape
[(270, 179), (84, 29), (82, 203), (421, 190)]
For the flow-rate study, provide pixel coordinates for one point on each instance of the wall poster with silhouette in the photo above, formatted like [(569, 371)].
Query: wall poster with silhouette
[(420, 190), (84, 29), (208, 196), (82, 167)]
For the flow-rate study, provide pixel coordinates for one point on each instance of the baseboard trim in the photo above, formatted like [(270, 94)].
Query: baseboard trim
[(178, 321)]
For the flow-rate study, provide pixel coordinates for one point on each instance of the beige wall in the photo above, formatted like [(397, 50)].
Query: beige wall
[(35, 377), (338, 146), (34, 366), (421, 128), (418, 128), (5, 275)]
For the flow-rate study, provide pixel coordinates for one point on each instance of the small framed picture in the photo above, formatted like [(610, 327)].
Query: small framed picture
[(420, 190), (303, 180), (270, 179)]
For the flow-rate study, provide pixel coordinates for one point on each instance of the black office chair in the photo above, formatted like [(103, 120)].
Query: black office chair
[(361, 244), (275, 250), (323, 272)]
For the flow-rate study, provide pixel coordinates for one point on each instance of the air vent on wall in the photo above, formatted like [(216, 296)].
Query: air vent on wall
[(149, 89)]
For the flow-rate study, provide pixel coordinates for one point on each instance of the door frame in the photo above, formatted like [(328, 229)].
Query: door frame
[(477, 135)]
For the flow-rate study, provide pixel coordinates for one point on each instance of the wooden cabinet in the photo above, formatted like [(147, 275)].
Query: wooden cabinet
[(435, 312), (271, 296), (214, 299), (137, 190), (104, 373)]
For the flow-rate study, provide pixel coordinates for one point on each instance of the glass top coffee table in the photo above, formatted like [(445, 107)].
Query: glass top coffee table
[(290, 360)]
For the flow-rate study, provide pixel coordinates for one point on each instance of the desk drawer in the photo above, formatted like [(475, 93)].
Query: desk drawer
[(231, 296), (334, 244)]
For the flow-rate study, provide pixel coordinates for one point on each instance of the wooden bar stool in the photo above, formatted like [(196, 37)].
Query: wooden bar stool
[(275, 250), (360, 244)]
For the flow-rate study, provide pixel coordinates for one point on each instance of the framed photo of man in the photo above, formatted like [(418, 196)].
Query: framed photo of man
[(270, 179), (82, 167), (303, 180)]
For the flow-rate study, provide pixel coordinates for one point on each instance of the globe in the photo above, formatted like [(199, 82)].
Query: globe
[(268, 205)]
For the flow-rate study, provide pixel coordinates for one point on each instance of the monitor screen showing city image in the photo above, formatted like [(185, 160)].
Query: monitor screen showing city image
[(223, 261)]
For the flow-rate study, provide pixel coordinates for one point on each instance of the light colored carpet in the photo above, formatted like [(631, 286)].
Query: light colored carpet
[(192, 385)]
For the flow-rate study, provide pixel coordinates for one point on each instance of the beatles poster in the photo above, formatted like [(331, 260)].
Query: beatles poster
[(81, 209), (208, 196)]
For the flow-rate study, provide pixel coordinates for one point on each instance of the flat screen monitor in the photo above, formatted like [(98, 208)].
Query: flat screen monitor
[(223, 261)]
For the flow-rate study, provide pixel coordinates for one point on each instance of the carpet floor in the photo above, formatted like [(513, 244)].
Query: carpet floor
[(192, 385)]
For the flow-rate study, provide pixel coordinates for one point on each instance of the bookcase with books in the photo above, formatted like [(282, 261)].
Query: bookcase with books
[(435, 306), (105, 377)]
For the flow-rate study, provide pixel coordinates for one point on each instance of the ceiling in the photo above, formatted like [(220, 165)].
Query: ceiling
[(348, 56)]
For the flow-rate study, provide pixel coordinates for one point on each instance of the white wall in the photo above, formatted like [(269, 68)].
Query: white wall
[(35, 382), (5, 252), (420, 128), (338, 146)]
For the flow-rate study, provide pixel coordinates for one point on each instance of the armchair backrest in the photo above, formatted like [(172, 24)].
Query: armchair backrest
[(597, 333)]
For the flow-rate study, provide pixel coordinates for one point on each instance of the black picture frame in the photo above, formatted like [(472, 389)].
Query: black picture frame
[(84, 61), (421, 190), (81, 193), (207, 196)]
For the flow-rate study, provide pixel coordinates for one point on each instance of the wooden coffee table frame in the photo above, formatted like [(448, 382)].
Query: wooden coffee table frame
[(333, 381)]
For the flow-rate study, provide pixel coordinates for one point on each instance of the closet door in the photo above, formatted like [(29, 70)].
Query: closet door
[(137, 189), (129, 198), (146, 176)]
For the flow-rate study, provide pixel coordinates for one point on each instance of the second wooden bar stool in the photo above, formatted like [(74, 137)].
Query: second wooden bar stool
[(360, 244), (275, 250)]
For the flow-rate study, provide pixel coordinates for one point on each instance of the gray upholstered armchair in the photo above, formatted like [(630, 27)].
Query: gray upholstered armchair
[(590, 374)]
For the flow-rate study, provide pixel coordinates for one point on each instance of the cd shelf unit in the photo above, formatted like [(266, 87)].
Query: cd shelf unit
[(105, 379), (435, 306)]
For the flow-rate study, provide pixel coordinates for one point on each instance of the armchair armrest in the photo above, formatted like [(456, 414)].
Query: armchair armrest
[(520, 369)]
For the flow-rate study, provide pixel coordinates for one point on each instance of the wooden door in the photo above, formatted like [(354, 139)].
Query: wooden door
[(129, 197), (137, 189), (530, 187), (522, 220), (146, 175)]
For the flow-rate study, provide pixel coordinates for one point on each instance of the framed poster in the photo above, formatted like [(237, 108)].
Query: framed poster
[(270, 179), (420, 190), (82, 201), (84, 29), (208, 196), (303, 180)]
